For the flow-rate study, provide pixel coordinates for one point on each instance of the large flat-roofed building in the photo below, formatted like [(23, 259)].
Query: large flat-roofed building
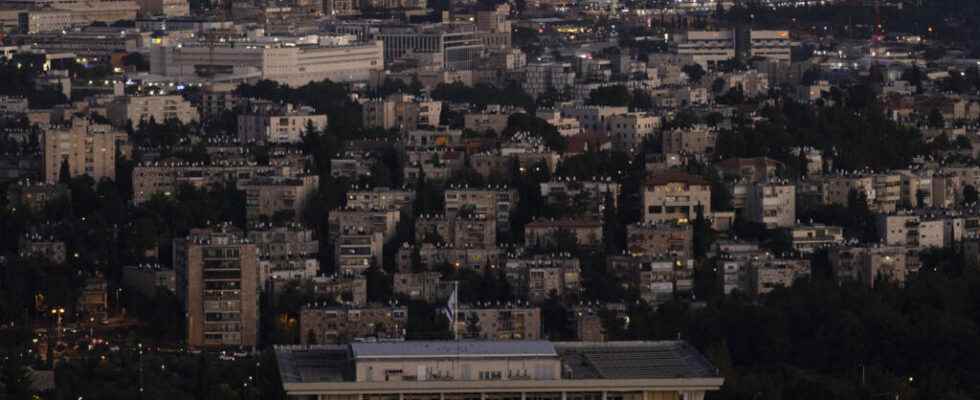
[(288, 63), (84, 12), (453, 46), (708, 48), (471, 370)]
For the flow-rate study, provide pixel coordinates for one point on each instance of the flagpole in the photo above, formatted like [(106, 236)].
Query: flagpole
[(456, 294)]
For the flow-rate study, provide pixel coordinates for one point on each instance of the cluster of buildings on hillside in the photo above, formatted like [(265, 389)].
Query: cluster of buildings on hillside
[(152, 98)]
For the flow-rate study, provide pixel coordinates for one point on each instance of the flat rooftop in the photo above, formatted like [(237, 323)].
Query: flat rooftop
[(580, 360)]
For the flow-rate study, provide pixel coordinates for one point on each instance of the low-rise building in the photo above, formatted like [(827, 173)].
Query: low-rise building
[(457, 370), (671, 239), (808, 238), (287, 126), (285, 252), (136, 109), (771, 203), (868, 264), (326, 324), (401, 111), (675, 196), (267, 195), (380, 199), (35, 195), (548, 233), (492, 203), (458, 231), (356, 251), (769, 273), (585, 197), (498, 322), (698, 140), (658, 279), (384, 221), (343, 289), (426, 286), (538, 278)]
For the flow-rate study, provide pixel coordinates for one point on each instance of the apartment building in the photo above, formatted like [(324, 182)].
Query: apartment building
[(343, 289), (882, 191), (456, 370), (267, 195), (287, 61), (675, 196), (433, 255), (492, 203), (921, 229), (657, 278), (628, 131), (42, 246), (545, 77), (697, 140), (547, 233), (588, 319), (165, 177), (590, 195), (136, 109), (427, 286), (768, 273), (401, 111), (288, 126), (333, 324), (537, 278), (217, 283), (356, 251), (771, 203), (384, 221), (88, 148), (671, 239), (285, 252), (458, 231), (498, 322), (380, 198), (867, 264), (809, 238)]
